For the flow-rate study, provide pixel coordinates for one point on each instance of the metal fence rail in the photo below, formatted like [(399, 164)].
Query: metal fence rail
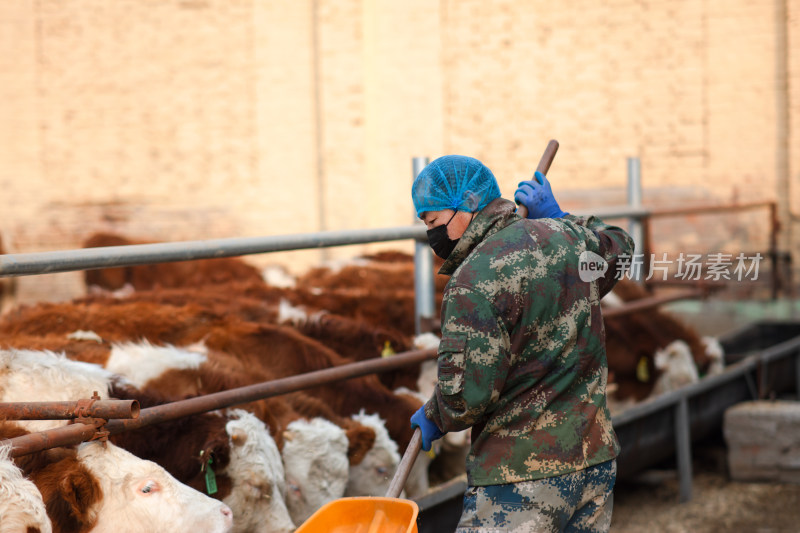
[(68, 410), (142, 254), (32, 443)]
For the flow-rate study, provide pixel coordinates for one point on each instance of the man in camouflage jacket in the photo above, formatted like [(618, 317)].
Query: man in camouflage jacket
[(522, 358)]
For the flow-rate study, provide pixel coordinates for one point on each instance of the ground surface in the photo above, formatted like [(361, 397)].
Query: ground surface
[(718, 504)]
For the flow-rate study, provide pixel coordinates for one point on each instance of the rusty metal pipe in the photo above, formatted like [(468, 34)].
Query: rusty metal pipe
[(219, 400), (68, 410), (708, 285), (201, 404), (649, 303), (52, 438)]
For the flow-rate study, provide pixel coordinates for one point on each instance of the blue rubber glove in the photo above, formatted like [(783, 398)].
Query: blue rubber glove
[(538, 197), (429, 430)]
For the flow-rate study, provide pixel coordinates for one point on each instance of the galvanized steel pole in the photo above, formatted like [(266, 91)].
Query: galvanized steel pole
[(143, 254), (164, 252), (634, 224), (424, 288), (683, 450), (797, 375)]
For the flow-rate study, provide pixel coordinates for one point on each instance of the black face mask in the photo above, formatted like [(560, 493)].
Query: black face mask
[(440, 242)]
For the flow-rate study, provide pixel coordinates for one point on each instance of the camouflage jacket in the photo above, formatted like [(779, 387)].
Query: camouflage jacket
[(522, 358)]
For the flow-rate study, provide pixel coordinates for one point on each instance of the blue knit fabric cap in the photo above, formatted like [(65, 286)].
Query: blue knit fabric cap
[(454, 182)]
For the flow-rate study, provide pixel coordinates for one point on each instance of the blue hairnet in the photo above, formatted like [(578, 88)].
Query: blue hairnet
[(454, 182)]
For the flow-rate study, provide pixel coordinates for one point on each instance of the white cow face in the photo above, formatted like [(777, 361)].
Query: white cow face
[(141, 497), (21, 505), (373, 475), (315, 459), (257, 476), (677, 366)]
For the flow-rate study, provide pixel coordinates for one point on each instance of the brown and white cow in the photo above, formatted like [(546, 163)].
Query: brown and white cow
[(258, 476), (280, 352), (151, 368), (175, 274), (182, 446), (377, 289), (315, 458), (100, 487), (652, 351), (372, 476), (354, 340), (317, 445), (21, 506), (140, 496), (313, 451), (265, 350)]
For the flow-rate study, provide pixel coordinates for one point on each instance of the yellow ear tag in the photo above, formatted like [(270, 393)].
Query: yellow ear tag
[(642, 372), (431, 453), (387, 350)]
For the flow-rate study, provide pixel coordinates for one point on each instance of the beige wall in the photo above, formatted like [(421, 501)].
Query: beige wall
[(193, 119)]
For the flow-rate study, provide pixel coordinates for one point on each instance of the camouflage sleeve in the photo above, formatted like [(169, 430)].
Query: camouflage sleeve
[(474, 358), (609, 242)]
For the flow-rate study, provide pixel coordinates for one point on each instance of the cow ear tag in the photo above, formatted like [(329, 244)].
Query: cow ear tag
[(387, 351), (642, 372), (211, 479)]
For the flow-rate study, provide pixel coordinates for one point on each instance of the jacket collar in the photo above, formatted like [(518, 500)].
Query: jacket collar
[(488, 221)]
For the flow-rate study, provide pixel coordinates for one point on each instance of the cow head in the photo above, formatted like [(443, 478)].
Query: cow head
[(315, 458), (139, 496), (372, 476), (257, 476)]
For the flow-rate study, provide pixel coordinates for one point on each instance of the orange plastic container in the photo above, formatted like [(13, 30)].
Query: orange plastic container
[(372, 514), (363, 515)]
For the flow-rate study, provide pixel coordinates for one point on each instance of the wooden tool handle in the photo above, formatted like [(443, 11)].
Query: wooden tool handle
[(544, 166), (404, 468)]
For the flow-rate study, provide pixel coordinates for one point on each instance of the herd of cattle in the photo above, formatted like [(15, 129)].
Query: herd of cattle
[(166, 332)]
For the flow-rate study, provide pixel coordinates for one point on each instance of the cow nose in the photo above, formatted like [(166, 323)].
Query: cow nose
[(226, 512)]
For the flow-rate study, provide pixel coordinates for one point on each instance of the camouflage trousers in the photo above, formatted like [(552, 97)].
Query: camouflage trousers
[(580, 501)]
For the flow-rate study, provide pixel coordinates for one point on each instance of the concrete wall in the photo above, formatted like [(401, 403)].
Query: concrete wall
[(193, 119)]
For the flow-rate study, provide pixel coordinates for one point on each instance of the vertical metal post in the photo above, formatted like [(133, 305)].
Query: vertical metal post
[(319, 137), (773, 250), (634, 224), (683, 449), (762, 369), (647, 251), (797, 375), (424, 299)]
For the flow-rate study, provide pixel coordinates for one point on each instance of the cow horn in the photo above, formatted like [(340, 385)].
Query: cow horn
[(238, 437)]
